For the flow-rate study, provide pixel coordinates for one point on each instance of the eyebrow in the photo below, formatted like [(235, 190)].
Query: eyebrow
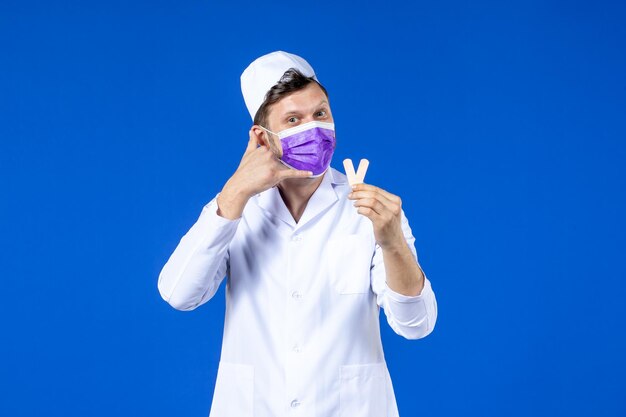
[(297, 112)]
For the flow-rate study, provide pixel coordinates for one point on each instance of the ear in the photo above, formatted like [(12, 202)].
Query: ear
[(262, 135)]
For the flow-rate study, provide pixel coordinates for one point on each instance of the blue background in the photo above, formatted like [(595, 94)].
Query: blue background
[(502, 127)]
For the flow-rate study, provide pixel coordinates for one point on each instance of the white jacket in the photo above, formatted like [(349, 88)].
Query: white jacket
[(301, 332)]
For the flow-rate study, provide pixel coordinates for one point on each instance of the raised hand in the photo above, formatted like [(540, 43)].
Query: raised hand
[(258, 170), (383, 209)]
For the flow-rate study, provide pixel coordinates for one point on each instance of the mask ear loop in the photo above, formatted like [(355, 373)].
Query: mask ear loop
[(268, 131)]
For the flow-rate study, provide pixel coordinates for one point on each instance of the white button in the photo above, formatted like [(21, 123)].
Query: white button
[(296, 349), (296, 294), (296, 238), (295, 403)]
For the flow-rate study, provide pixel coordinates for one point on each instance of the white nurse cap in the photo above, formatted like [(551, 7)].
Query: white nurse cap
[(265, 72)]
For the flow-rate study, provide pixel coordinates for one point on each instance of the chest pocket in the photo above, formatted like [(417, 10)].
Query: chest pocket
[(349, 259)]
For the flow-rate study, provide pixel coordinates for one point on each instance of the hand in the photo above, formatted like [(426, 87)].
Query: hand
[(384, 210), (258, 171)]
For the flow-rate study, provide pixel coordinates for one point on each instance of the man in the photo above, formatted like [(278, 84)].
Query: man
[(309, 262)]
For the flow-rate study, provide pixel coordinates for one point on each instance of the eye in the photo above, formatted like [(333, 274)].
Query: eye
[(321, 113), (292, 119)]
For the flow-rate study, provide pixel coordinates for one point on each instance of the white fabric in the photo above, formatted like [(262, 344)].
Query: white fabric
[(301, 128), (301, 332), (264, 72)]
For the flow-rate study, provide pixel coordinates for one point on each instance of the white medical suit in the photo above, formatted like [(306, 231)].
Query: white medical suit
[(301, 332)]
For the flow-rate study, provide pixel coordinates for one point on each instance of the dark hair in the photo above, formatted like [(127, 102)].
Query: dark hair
[(291, 81)]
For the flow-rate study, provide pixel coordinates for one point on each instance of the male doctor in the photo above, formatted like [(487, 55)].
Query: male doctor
[(309, 261)]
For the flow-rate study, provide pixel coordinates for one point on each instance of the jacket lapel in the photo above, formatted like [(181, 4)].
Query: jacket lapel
[(272, 203), (325, 196), (322, 198)]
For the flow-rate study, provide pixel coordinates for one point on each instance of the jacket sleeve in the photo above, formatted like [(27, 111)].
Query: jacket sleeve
[(194, 271), (412, 317)]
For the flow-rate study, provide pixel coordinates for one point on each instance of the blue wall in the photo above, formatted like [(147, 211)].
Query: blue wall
[(502, 127)]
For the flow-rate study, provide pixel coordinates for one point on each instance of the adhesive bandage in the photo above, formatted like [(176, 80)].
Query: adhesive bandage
[(359, 176)]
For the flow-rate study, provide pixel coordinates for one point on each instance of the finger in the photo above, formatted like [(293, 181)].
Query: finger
[(355, 195), (369, 187), (358, 195), (293, 173), (253, 142), (373, 204), (369, 213)]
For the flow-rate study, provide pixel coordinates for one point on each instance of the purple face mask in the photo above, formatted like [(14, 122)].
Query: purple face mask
[(308, 147)]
